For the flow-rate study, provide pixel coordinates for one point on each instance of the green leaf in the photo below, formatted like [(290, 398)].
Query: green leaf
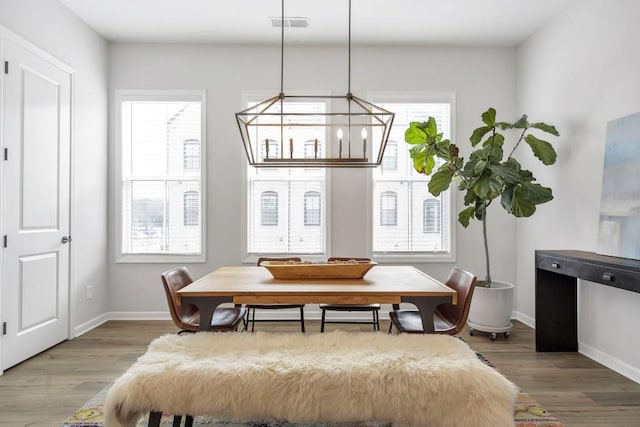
[(465, 216), (521, 123), (489, 117), (524, 197), (503, 125), (423, 159), (430, 126), (469, 197), (480, 167), (496, 139), (541, 149), (496, 153), (440, 180), (536, 193), (545, 128), (480, 209), (477, 135), (444, 150), (488, 187), (507, 171), (526, 175), (506, 198), (414, 134), (521, 206)]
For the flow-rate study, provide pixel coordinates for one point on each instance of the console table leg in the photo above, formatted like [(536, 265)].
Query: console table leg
[(556, 312)]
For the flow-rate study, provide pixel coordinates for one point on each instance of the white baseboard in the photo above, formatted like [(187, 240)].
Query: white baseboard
[(139, 315), (91, 324), (593, 353), (611, 362), (527, 320), (311, 312)]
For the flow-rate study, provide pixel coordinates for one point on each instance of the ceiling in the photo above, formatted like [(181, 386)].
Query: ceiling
[(386, 22)]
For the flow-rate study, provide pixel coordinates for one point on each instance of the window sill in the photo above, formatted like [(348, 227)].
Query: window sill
[(160, 259), (423, 257)]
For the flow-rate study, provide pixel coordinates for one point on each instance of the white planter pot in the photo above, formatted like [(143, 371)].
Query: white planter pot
[(491, 308)]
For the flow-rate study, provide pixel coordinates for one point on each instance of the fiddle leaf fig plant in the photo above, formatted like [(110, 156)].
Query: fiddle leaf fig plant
[(490, 172)]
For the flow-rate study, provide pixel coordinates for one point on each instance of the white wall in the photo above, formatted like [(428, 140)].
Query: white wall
[(53, 28), (579, 72), (480, 78)]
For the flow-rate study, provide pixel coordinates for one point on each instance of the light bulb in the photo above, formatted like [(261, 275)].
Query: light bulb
[(339, 133), (364, 133)]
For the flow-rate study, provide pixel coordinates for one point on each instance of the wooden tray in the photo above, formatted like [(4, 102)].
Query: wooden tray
[(282, 270)]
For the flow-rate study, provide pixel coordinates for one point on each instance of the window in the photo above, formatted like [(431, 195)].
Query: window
[(269, 148), (390, 158), (160, 187), (312, 208), (407, 219), (191, 155), (431, 216), (191, 208), (285, 208), (269, 208), (388, 208)]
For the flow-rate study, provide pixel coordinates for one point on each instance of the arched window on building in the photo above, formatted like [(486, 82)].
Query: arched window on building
[(431, 216), (270, 149), (390, 158), (310, 148), (312, 208), (191, 155), (388, 208), (269, 208), (191, 208)]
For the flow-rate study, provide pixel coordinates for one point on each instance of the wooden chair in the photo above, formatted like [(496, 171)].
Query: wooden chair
[(187, 316), (374, 308), (447, 318), (251, 318)]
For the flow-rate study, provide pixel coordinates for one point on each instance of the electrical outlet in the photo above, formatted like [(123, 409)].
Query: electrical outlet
[(89, 291)]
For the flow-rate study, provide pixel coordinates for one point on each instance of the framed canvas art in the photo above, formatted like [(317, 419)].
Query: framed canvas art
[(619, 228)]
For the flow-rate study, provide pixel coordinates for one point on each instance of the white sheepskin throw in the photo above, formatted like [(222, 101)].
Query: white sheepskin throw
[(417, 380)]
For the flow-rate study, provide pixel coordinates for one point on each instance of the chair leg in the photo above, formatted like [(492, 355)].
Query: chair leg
[(376, 326), (252, 319), (154, 419), (188, 422), (177, 420), (322, 321), (302, 318), (390, 327)]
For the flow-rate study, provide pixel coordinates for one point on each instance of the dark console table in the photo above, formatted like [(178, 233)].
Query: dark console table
[(557, 274)]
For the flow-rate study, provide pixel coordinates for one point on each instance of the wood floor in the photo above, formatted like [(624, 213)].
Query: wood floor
[(46, 389)]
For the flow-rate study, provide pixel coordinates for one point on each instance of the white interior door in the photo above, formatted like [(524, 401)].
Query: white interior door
[(36, 190)]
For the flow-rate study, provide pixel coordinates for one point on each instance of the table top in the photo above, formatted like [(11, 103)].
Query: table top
[(382, 284)]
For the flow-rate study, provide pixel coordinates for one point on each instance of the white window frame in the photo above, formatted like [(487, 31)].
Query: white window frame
[(252, 258), (123, 95), (379, 97)]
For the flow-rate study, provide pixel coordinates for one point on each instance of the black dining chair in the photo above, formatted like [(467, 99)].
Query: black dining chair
[(251, 318), (373, 308)]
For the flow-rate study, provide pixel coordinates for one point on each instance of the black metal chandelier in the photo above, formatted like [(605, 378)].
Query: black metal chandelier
[(353, 131)]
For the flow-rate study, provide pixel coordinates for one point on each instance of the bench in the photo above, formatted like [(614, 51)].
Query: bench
[(418, 380)]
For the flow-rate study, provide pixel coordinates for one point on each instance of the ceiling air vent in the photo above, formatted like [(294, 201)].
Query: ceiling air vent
[(289, 21)]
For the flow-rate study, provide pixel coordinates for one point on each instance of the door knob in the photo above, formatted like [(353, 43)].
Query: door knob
[(66, 239)]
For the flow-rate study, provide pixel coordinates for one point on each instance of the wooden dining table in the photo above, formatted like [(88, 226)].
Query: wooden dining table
[(255, 285)]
